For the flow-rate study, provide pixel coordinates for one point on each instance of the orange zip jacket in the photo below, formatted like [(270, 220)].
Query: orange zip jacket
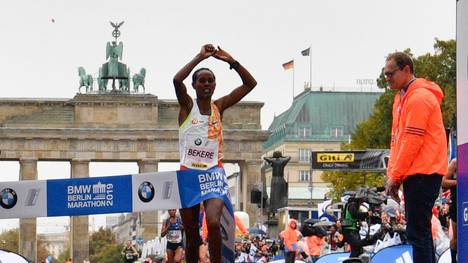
[(289, 236), (419, 144), (314, 243)]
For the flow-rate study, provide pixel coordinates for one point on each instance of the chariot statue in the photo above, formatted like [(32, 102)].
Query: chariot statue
[(113, 70)]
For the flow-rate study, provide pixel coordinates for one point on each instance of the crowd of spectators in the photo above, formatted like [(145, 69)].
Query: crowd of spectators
[(310, 248)]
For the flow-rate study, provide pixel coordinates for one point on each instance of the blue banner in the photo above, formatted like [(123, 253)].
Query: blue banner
[(333, 258), (400, 253), (195, 186), (86, 196)]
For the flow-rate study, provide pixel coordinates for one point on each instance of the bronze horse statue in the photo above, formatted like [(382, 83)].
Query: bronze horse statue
[(85, 80), (139, 80)]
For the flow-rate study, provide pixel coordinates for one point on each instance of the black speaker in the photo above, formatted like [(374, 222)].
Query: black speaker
[(255, 196)]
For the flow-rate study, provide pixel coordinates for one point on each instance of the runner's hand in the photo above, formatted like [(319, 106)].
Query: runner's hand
[(221, 54), (207, 51)]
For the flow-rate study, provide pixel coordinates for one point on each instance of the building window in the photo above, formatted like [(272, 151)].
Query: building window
[(303, 132), (336, 132), (304, 176), (303, 116), (300, 216), (304, 155)]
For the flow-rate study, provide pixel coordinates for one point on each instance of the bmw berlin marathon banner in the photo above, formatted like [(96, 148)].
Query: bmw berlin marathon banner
[(120, 194), (370, 160), (462, 129)]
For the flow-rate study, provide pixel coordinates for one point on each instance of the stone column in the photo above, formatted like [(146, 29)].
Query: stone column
[(79, 234), (149, 220), (250, 174), (27, 230)]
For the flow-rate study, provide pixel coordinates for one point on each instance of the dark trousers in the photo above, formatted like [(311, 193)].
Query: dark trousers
[(290, 257), (421, 192), (353, 238)]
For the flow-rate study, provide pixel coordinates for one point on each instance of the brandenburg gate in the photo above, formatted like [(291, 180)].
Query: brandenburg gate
[(114, 125)]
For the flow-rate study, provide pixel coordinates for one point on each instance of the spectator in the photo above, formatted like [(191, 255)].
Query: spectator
[(289, 237), (129, 252), (314, 243), (450, 181), (444, 216), (274, 248), (418, 150), (333, 238)]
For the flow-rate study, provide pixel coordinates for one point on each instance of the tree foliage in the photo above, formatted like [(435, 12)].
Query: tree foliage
[(9, 240), (110, 254), (349, 181), (374, 133), (42, 250), (65, 255), (100, 239), (103, 247)]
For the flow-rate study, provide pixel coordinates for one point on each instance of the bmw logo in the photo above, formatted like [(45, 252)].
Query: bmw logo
[(146, 192), (8, 198), (198, 142)]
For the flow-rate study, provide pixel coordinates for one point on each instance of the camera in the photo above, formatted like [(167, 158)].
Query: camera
[(373, 198), (309, 228)]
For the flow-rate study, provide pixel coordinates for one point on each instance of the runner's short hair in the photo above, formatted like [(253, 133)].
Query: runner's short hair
[(196, 72)]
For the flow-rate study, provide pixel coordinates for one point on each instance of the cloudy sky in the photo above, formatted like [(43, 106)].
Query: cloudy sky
[(43, 42)]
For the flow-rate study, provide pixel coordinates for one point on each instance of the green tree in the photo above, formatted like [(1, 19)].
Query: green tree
[(42, 250), (64, 255), (100, 239), (9, 240), (103, 247), (110, 254), (350, 181), (374, 133)]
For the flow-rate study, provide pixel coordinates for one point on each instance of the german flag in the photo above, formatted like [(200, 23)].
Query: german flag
[(288, 65)]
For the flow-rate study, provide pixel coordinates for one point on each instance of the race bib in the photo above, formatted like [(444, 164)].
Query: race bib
[(174, 236), (200, 153)]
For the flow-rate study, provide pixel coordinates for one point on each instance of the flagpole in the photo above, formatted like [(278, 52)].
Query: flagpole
[(287, 66), (310, 67), (293, 82)]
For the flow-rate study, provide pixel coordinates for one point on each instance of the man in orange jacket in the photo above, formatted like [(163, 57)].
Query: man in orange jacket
[(418, 150)]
